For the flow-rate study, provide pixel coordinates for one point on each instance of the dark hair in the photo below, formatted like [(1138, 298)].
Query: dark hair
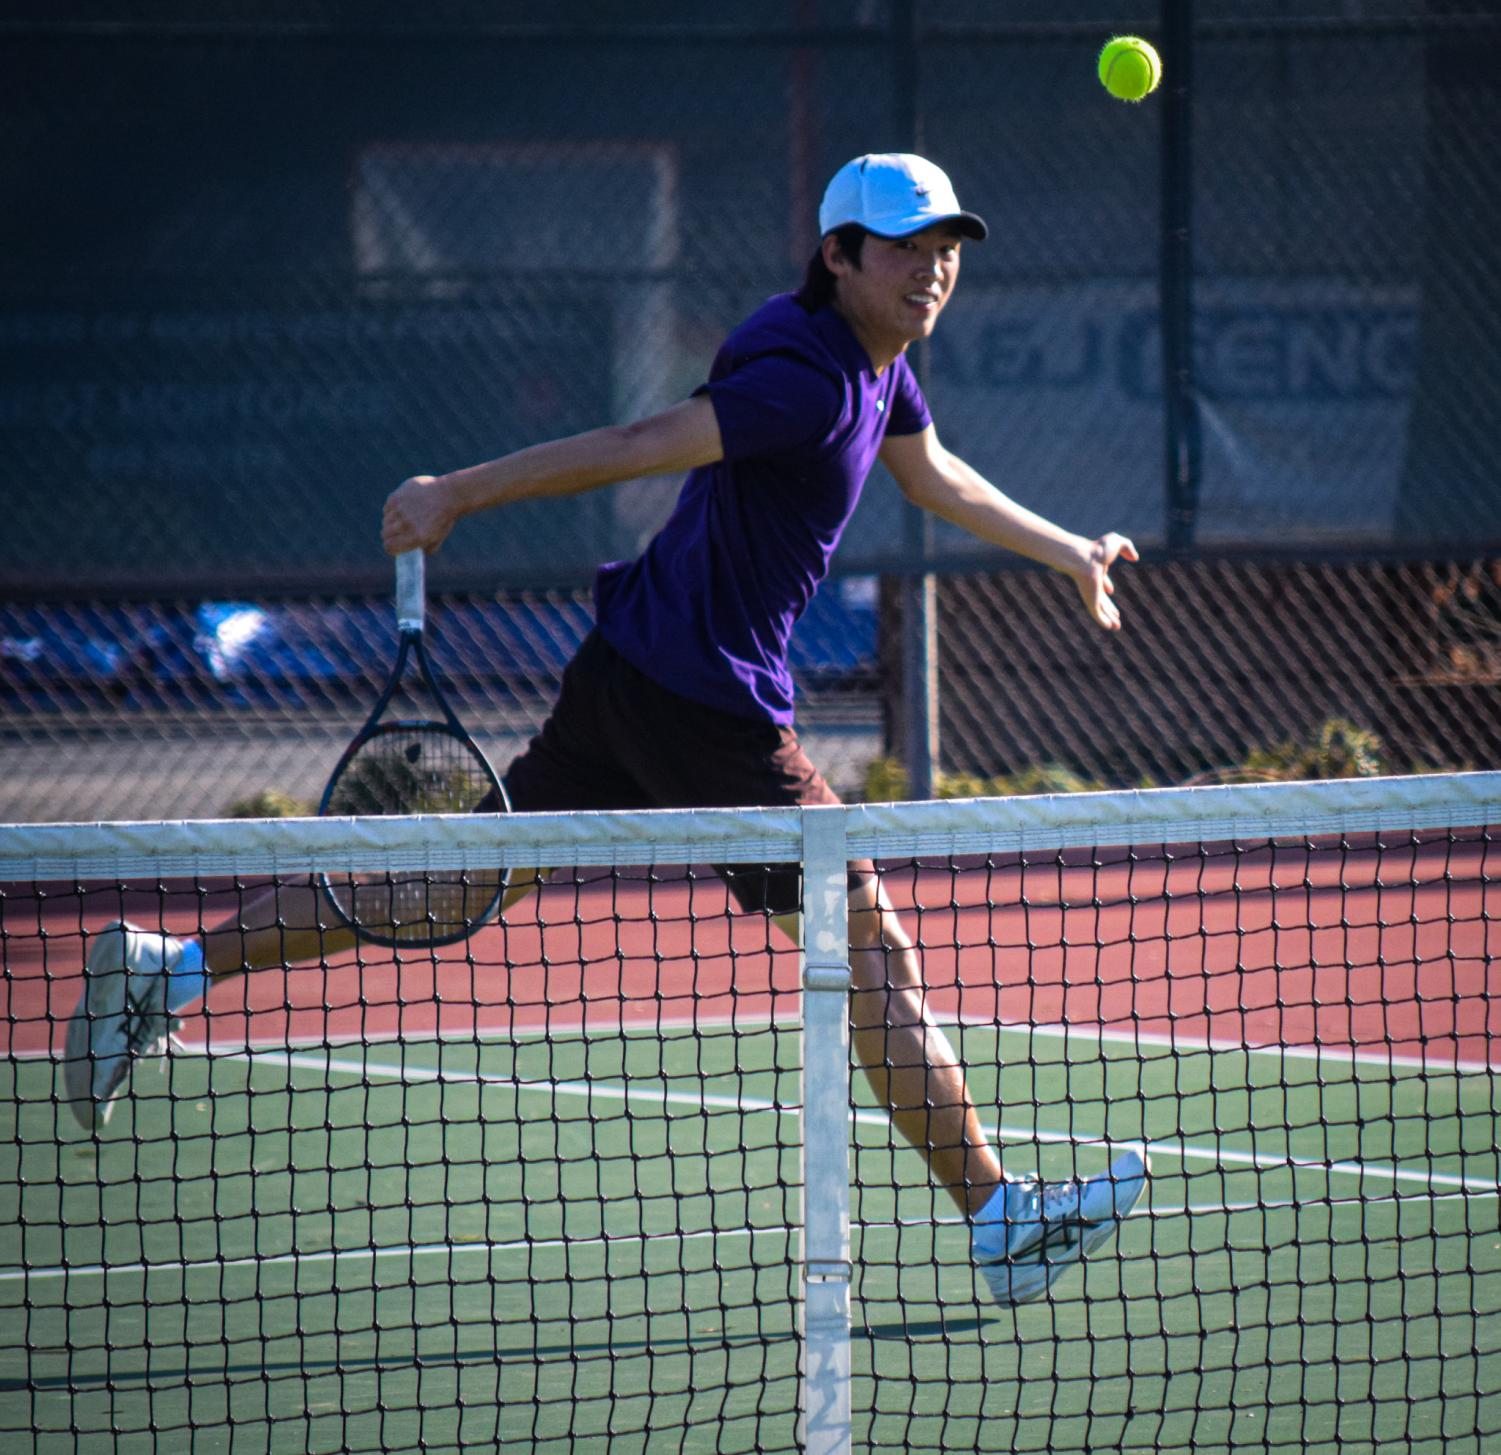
[(819, 284)]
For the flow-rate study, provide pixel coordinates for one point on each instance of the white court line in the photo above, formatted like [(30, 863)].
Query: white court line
[(1183, 1151), (368, 1255), (1193, 1044), (405, 1074), (472, 1036), (532, 1245), (481, 1035)]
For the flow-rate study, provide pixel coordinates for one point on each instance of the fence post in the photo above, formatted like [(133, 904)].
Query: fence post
[(824, 1395), (919, 586), (1180, 412)]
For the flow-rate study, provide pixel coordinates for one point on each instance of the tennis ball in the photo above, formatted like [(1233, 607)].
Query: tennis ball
[(1129, 68)]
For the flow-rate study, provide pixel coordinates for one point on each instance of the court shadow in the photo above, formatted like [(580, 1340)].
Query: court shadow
[(906, 1330), (161, 1373), (897, 1330)]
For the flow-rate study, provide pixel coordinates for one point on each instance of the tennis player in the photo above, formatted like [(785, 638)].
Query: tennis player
[(682, 697)]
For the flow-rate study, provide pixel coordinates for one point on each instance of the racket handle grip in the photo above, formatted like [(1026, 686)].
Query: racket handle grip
[(411, 590)]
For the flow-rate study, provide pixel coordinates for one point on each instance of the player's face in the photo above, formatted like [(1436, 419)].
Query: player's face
[(901, 286)]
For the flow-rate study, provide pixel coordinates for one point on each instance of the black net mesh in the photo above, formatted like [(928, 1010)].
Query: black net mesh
[(552, 1187), (1298, 1035), (537, 1190)]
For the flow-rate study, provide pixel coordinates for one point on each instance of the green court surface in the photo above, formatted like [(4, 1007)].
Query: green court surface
[(567, 1243)]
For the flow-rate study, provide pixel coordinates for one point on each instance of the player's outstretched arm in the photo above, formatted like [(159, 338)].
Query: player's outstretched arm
[(936, 480), (421, 511)]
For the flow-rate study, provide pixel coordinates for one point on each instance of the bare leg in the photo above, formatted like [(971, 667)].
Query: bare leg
[(906, 1057), (279, 925), (521, 883), (284, 924)]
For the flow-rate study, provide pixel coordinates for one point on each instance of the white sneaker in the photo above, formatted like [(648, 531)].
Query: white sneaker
[(1030, 1233), (121, 1015)]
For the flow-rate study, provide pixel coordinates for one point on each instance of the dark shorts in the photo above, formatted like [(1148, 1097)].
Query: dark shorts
[(618, 740)]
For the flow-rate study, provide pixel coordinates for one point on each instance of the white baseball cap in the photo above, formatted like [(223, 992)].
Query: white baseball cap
[(894, 194)]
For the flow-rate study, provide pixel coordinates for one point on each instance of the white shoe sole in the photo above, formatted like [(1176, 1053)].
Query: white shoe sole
[(105, 981)]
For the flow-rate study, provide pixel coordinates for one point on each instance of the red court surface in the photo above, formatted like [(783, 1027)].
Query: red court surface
[(1391, 952)]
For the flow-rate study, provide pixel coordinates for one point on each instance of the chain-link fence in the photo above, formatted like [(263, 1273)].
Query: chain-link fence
[(262, 265), (1226, 671), (208, 708)]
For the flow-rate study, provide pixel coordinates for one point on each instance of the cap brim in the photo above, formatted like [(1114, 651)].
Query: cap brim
[(969, 224)]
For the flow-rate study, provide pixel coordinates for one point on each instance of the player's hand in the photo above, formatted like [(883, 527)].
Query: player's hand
[(1094, 582), (417, 516)]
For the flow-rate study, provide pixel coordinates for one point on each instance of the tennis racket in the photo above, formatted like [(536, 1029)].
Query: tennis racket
[(413, 766)]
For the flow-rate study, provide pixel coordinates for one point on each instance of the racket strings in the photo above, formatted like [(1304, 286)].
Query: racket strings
[(411, 770)]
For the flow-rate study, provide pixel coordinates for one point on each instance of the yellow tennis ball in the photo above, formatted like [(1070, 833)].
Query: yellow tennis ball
[(1129, 68)]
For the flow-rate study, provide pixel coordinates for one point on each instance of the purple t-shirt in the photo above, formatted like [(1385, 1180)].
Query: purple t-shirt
[(707, 610)]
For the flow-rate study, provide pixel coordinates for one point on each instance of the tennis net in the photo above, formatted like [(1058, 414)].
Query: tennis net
[(602, 1176)]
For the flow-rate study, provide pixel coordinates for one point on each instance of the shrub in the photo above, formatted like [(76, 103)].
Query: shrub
[(886, 781), (1340, 749), (270, 803)]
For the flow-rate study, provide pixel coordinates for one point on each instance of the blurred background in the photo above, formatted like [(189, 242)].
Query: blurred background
[(264, 260)]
